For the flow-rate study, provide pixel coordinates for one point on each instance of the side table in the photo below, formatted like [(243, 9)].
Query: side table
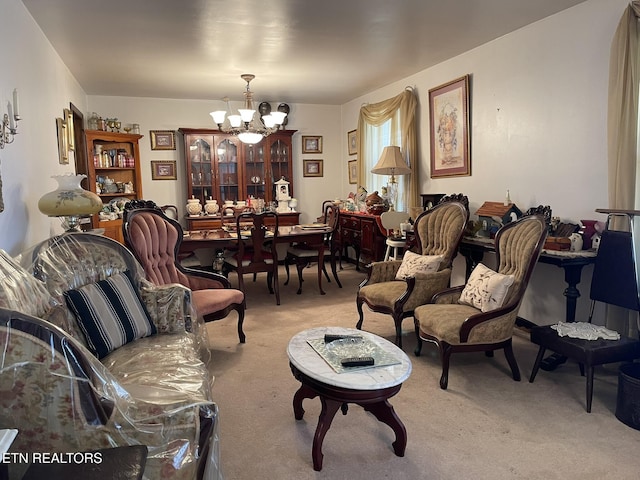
[(370, 388)]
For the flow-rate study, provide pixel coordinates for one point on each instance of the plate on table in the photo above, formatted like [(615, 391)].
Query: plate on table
[(314, 226)]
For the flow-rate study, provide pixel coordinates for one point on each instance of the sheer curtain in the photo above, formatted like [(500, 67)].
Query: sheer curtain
[(390, 122), (622, 124)]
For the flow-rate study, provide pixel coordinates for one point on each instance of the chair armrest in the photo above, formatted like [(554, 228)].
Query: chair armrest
[(449, 295), (381, 272), (423, 286), (169, 306), (475, 320), (201, 280)]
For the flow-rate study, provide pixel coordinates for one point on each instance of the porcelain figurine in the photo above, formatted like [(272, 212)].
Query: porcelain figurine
[(576, 242)]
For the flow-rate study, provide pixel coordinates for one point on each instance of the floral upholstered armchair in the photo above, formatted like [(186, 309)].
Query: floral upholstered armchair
[(153, 390)]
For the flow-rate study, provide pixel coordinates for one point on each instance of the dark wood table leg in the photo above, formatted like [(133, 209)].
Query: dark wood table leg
[(329, 410), (385, 413), (334, 269), (320, 264), (303, 392), (572, 276)]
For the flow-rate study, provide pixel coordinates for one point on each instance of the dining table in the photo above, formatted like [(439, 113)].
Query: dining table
[(312, 235)]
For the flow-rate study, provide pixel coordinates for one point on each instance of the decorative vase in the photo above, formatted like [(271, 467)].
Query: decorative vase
[(194, 207), (70, 200), (588, 229), (211, 206)]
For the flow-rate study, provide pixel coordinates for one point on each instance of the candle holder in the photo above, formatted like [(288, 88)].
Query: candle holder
[(10, 123)]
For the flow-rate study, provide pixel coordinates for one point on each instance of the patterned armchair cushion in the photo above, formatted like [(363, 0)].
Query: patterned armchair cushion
[(413, 263), (486, 290), (110, 313)]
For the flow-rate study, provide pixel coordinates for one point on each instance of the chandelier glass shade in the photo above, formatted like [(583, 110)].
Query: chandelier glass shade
[(246, 125)]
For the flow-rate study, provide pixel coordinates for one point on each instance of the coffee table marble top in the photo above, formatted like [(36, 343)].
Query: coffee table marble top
[(309, 362)]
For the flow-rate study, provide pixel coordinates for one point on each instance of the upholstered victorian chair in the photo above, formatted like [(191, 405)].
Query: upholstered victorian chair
[(398, 287), (480, 316), (155, 241)]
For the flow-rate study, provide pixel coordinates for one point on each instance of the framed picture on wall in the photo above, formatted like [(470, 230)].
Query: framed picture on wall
[(449, 123), (352, 141), (163, 170), (311, 144), (312, 168), (353, 171), (162, 139)]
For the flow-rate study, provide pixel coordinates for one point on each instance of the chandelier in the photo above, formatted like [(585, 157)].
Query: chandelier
[(248, 128)]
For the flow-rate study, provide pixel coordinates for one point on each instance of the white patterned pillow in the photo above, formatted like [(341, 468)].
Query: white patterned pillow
[(413, 263), (110, 313), (486, 289)]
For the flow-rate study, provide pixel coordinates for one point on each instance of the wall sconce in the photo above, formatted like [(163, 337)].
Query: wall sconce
[(10, 122), (66, 139)]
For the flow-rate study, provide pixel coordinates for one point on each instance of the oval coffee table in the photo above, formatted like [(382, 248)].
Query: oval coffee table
[(370, 388)]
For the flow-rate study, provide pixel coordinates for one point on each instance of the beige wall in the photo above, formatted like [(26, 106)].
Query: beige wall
[(163, 114), (538, 113), (538, 127), (45, 88)]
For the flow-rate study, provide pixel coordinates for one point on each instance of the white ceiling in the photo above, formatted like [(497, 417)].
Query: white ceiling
[(301, 51)]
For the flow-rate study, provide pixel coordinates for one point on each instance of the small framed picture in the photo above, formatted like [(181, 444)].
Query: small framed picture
[(311, 144), (162, 139), (352, 141), (353, 171), (312, 168), (163, 170)]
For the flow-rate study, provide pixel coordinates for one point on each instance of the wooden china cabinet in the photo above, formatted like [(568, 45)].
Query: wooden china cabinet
[(220, 166), (115, 156)]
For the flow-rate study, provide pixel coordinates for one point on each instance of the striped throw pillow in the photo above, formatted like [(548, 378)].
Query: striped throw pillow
[(110, 313)]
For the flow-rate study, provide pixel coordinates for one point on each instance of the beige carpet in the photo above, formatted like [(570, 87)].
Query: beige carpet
[(485, 426)]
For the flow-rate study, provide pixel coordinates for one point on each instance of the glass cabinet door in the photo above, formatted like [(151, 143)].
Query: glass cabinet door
[(200, 174), (227, 171), (279, 162), (254, 170)]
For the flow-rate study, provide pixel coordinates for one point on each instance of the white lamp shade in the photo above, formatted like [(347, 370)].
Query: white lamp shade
[(391, 163), (268, 121), (235, 120), (69, 199), (246, 114), (250, 137), (278, 117), (218, 116)]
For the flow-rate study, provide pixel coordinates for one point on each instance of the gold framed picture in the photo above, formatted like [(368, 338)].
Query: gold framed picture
[(63, 141), (162, 139), (449, 123), (312, 168), (311, 144), (352, 141), (163, 170), (353, 171)]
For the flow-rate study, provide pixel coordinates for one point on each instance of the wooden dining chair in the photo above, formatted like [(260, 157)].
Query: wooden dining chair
[(256, 249), (302, 254)]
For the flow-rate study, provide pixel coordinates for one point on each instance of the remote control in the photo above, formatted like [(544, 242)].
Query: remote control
[(357, 361), (330, 338)]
